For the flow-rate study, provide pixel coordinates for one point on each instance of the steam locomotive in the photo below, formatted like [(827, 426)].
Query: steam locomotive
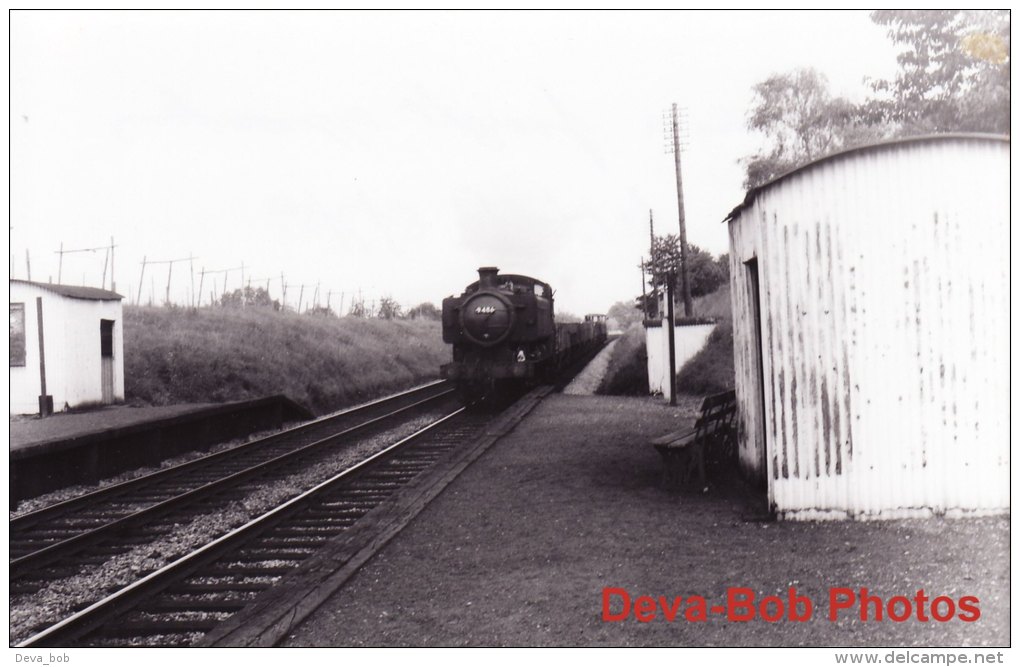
[(504, 332)]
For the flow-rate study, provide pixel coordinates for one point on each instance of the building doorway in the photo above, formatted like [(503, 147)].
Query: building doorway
[(759, 366), (106, 358)]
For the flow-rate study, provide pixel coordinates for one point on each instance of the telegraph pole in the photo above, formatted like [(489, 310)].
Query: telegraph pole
[(106, 262), (644, 294), (684, 273), (141, 282), (671, 323), (651, 263), (109, 257)]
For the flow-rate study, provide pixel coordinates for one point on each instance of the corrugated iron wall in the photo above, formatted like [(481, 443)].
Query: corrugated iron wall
[(883, 279)]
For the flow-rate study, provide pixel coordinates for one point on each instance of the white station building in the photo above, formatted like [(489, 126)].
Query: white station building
[(67, 339)]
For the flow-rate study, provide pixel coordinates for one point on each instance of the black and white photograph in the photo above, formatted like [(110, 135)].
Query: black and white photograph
[(509, 329)]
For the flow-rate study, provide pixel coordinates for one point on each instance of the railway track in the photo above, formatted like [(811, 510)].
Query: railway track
[(61, 539), (179, 603)]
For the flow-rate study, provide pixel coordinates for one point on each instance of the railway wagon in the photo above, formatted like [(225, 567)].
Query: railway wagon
[(503, 331)]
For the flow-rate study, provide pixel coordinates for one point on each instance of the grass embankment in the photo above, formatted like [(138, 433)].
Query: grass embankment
[(627, 372), (709, 372), (174, 355)]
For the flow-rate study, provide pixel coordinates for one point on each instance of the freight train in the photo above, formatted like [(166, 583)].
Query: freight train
[(504, 332)]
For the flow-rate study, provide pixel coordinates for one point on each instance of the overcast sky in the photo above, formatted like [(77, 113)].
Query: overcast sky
[(392, 153)]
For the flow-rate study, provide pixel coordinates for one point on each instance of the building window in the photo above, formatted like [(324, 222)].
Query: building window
[(17, 334)]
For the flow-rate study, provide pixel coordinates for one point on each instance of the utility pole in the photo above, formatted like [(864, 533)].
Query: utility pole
[(201, 281), (651, 263), (651, 231), (671, 323), (107, 249), (141, 283), (113, 285), (106, 262), (644, 294), (169, 272), (28, 264), (684, 273)]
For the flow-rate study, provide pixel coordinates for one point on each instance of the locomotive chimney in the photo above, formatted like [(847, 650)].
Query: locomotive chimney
[(487, 277)]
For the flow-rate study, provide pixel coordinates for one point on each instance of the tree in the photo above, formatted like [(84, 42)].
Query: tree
[(425, 311), (389, 308), (664, 260), (801, 121), (706, 273), (724, 265), (954, 77), (249, 297), (358, 309), (625, 314), (954, 74)]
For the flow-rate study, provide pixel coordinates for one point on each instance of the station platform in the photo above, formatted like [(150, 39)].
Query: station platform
[(66, 449), (29, 431), (519, 549)]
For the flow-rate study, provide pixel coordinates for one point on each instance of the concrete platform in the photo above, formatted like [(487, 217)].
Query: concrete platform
[(27, 431), (518, 550), (83, 448)]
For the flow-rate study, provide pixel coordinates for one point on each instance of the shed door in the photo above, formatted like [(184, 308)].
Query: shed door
[(106, 353), (762, 445)]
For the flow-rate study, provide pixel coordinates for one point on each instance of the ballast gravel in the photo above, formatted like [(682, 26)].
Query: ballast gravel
[(33, 612), (70, 492)]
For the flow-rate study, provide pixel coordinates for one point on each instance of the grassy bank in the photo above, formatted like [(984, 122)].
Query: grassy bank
[(627, 372), (708, 372), (174, 355)]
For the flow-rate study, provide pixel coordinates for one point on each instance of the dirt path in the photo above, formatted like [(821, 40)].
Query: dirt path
[(588, 380)]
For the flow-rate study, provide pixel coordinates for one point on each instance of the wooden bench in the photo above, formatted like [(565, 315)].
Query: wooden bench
[(683, 451)]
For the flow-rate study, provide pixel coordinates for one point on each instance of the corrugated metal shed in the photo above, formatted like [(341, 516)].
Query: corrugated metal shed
[(871, 320)]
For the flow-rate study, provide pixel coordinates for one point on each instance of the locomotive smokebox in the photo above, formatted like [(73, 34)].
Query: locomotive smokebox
[(487, 277)]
